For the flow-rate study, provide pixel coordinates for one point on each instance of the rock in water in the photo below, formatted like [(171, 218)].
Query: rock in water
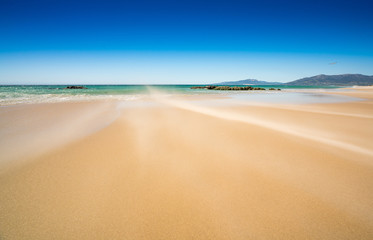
[(212, 87), (75, 87)]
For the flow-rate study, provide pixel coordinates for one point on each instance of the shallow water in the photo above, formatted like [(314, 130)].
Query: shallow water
[(13, 95)]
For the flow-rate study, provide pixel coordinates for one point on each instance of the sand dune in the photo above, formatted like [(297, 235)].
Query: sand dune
[(179, 169)]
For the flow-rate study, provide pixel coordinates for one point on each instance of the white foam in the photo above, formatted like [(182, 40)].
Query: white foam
[(10, 99)]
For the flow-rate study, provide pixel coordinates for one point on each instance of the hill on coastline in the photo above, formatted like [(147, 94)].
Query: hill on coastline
[(319, 80), (334, 80), (248, 82)]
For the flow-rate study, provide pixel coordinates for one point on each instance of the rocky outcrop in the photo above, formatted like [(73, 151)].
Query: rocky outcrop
[(234, 88), (75, 87)]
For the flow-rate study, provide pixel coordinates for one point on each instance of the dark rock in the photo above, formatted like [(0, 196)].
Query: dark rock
[(75, 87), (235, 88)]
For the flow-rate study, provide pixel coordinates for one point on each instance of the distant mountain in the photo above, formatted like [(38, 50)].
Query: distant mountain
[(248, 82), (334, 80), (319, 80)]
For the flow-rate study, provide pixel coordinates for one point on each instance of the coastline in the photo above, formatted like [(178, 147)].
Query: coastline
[(179, 169)]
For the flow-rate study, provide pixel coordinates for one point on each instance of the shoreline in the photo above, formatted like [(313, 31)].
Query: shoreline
[(25, 96)]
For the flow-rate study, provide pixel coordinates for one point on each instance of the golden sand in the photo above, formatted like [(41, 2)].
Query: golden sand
[(179, 170)]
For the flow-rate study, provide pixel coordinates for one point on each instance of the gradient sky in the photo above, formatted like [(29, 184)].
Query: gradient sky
[(145, 42)]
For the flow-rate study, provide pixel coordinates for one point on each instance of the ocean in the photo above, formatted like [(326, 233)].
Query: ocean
[(28, 94)]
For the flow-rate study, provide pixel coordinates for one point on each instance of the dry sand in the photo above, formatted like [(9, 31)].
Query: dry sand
[(181, 170)]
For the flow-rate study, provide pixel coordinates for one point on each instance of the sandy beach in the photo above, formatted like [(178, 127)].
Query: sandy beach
[(179, 169)]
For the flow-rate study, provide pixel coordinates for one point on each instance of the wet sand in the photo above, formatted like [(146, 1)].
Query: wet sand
[(181, 170)]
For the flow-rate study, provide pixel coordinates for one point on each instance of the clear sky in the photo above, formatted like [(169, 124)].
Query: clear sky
[(145, 42)]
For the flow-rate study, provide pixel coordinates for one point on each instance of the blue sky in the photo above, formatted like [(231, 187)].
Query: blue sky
[(127, 42)]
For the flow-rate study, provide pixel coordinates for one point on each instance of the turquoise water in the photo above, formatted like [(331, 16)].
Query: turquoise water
[(19, 94)]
